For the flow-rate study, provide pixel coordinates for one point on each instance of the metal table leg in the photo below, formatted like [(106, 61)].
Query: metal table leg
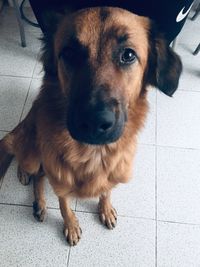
[(197, 12), (20, 23), (196, 51)]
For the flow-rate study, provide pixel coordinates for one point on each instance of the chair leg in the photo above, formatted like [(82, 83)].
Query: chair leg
[(197, 12), (196, 51), (20, 23)]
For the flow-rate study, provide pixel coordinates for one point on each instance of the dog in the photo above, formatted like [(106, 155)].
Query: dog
[(82, 128)]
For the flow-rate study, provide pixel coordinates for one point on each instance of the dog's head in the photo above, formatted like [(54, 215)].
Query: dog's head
[(104, 58)]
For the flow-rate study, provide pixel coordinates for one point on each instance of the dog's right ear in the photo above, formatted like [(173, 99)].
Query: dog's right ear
[(164, 65), (50, 20)]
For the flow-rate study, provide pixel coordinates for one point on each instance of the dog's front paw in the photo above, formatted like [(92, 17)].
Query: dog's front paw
[(73, 233), (39, 211), (108, 216), (23, 176)]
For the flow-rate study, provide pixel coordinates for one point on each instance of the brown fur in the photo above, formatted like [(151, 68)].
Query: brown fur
[(41, 142)]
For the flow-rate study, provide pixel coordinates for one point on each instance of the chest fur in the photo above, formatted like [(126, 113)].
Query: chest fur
[(88, 173)]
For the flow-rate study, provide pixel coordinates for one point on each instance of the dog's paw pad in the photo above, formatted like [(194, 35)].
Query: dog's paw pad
[(39, 212), (23, 176), (73, 234), (108, 216)]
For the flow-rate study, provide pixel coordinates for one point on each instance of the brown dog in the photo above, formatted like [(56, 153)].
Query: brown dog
[(81, 130)]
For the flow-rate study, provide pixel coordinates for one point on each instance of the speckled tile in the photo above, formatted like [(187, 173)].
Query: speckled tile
[(190, 79), (38, 71), (2, 134), (178, 245), (32, 94), (178, 185), (131, 243), (191, 72), (178, 120), (12, 97), (26, 242), (148, 133)]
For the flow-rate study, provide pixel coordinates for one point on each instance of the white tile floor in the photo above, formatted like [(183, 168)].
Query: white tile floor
[(159, 210)]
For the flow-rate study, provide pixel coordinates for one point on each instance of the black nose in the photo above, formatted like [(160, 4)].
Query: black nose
[(97, 123)]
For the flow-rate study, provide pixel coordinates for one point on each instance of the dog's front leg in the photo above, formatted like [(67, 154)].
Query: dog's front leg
[(72, 231), (107, 213), (39, 205)]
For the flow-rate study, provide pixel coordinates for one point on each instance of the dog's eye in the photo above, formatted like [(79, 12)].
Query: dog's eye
[(127, 56)]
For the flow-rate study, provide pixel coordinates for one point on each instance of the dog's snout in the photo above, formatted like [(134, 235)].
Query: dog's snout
[(100, 124), (98, 116), (97, 122)]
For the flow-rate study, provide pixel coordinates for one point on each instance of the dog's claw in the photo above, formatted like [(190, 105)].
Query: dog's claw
[(73, 234), (108, 216), (23, 176), (38, 212)]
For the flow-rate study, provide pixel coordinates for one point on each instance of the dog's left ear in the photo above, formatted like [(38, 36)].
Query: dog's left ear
[(164, 66)]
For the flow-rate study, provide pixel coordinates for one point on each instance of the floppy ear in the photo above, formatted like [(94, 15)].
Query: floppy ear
[(51, 21), (164, 65)]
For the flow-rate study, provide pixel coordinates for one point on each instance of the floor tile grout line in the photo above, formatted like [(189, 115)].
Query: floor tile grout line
[(76, 204), (156, 188), (68, 258), (15, 76), (21, 77), (180, 223), (27, 206), (156, 208), (14, 204), (27, 77), (184, 90), (29, 85), (122, 216), (5, 131), (119, 215), (25, 101), (178, 147), (29, 88), (167, 146), (77, 211), (189, 91)]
